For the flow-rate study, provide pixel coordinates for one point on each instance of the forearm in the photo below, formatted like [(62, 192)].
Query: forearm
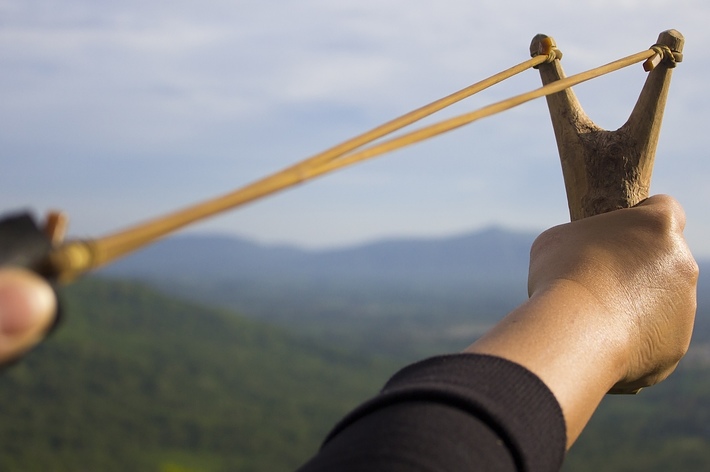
[(562, 335)]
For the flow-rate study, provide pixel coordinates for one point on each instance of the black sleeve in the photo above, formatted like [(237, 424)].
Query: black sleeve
[(453, 413)]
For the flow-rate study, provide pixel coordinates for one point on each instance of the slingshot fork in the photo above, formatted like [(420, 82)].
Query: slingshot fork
[(608, 170)]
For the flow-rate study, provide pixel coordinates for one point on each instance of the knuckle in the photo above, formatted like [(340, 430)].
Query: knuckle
[(664, 215), (547, 240)]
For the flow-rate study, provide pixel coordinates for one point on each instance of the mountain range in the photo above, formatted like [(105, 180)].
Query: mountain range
[(493, 253), (484, 266), (438, 293)]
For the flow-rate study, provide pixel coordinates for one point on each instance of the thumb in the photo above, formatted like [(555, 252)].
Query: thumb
[(27, 308)]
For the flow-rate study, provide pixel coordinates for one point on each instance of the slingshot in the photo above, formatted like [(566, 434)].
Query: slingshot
[(603, 170)]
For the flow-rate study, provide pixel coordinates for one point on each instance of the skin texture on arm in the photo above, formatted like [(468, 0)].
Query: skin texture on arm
[(27, 309), (612, 305)]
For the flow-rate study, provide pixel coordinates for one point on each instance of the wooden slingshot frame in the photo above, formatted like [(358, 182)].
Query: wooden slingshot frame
[(608, 170)]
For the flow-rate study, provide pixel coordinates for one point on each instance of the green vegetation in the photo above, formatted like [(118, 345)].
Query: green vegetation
[(136, 381), (139, 381), (663, 428)]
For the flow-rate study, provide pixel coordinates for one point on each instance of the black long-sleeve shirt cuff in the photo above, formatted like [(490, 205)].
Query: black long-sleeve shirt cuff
[(461, 412)]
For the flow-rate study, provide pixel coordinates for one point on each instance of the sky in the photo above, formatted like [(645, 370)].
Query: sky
[(116, 112)]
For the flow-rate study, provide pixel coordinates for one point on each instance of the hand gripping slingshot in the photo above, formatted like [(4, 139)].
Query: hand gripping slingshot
[(603, 170)]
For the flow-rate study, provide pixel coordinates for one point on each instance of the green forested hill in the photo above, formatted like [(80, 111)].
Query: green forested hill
[(662, 429), (136, 381)]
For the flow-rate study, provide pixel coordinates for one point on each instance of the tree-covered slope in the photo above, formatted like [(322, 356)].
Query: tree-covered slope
[(664, 428), (137, 381)]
